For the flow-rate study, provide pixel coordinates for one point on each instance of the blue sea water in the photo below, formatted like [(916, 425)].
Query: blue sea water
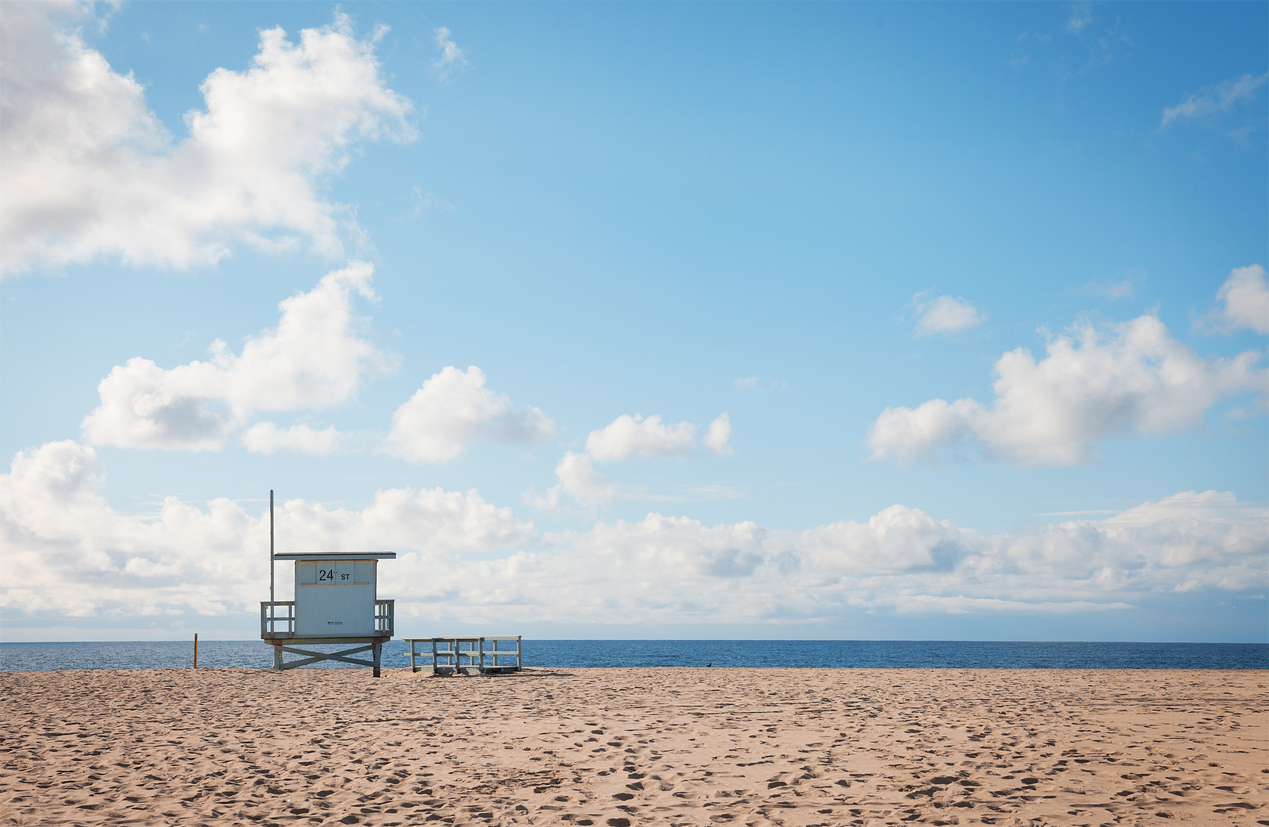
[(784, 654)]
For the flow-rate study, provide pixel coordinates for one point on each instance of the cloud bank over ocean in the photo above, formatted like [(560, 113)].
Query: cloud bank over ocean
[(78, 557)]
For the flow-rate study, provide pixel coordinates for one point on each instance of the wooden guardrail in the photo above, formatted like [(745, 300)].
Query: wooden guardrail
[(465, 654), (277, 618)]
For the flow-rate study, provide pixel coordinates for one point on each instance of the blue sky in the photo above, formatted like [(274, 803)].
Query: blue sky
[(640, 320)]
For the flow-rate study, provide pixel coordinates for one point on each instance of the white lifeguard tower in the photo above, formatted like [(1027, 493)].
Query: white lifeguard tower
[(336, 602)]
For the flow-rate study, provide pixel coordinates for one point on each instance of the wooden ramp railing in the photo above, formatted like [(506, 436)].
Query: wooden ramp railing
[(465, 654)]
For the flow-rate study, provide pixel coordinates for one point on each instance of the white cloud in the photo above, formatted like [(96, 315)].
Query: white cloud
[(90, 171), (313, 359), (625, 437), (633, 436), (578, 479), (405, 518), (68, 553), (452, 409), (1214, 99), (266, 438), (904, 561), (1245, 299), (945, 314), (1093, 384), (717, 439), (145, 406), (451, 56), (908, 433)]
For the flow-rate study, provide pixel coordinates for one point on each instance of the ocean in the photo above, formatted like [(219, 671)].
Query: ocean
[(777, 654)]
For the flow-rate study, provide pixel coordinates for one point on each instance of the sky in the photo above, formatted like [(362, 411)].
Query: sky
[(633, 320)]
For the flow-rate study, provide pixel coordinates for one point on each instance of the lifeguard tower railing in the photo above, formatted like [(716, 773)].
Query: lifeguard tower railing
[(465, 654), (277, 619)]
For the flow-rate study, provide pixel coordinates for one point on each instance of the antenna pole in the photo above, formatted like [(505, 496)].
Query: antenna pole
[(271, 598)]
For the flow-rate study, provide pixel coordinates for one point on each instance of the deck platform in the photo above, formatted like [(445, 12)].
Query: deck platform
[(465, 654), (277, 628)]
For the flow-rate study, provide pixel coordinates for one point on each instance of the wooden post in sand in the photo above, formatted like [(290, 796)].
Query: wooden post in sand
[(196, 650)]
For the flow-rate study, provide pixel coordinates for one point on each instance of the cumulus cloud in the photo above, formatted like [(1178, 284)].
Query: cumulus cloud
[(90, 171), (945, 314), (1094, 383), (1215, 99), (452, 409), (70, 554), (905, 561), (315, 359), (626, 437), (266, 438), (1244, 299), (717, 439), (406, 518), (633, 436), (578, 479), (451, 57)]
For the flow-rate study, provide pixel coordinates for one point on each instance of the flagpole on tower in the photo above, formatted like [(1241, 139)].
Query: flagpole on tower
[(271, 597)]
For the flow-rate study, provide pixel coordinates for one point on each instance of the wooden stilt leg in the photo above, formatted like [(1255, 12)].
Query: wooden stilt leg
[(378, 652)]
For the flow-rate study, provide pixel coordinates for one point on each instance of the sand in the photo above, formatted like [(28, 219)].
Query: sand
[(635, 746)]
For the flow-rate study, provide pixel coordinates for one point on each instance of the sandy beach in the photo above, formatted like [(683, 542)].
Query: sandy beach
[(635, 746)]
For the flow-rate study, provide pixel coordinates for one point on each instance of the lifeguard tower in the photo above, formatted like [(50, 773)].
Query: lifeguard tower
[(336, 602)]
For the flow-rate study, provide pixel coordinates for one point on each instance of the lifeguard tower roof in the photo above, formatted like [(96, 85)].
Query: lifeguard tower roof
[(336, 555)]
